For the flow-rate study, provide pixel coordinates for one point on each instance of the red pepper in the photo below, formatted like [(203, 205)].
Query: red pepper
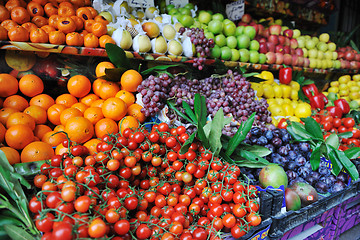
[(317, 101), (310, 90), (326, 101), (335, 111), (343, 105), (285, 75), (282, 124)]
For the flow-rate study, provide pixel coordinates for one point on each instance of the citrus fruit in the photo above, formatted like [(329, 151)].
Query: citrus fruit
[(11, 154), (37, 151), (130, 80)]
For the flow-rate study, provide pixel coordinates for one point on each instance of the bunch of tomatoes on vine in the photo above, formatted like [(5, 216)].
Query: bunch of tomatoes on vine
[(139, 185)]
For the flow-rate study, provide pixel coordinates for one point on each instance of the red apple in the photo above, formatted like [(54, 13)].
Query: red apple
[(295, 60), (256, 26), (341, 55), (357, 57), (349, 55), (306, 62), (242, 24), (270, 46), (281, 40), (300, 61), (279, 49), (279, 58), (292, 51), (275, 29), (262, 40), (294, 43), (246, 18), (286, 49), (261, 30), (358, 64), (263, 48), (353, 65), (270, 58), (299, 52), (273, 39), (288, 33), (287, 59), (287, 41)]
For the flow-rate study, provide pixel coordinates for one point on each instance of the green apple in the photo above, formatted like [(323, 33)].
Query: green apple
[(354, 105), (301, 42), (204, 17), (209, 35), (235, 55), (310, 44), (250, 32), (218, 16), (239, 30), (306, 52), (262, 58), (220, 40), (254, 45), (185, 11), (186, 20), (215, 26), (243, 41), (189, 6), (216, 52), (328, 55), (324, 37), (313, 62), (331, 46), (169, 7), (244, 55), (231, 42), (334, 55), (254, 56), (320, 55), (173, 11), (315, 39), (107, 16), (322, 46), (226, 53), (313, 53), (229, 29), (296, 33)]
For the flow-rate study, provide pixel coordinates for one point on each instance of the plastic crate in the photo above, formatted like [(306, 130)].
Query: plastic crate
[(347, 215), (256, 233)]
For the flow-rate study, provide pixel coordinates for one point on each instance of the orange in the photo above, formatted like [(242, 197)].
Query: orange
[(10, 5), (93, 12), (35, 9), (11, 154), (3, 33), (49, 29), (66, 25), (66, 99), (91, 41), (94, 114), (20, 15), (83, 33), (5, 113), (104, 39), (2, 132), (126, 96), (66, 11), (8, 85), (40, 21), (79, 86), (91, 145), (96, 85), (60, 149), (128, 122), (17, 102), (89, 99), (20, 118), (101, 19), (114, 108), (53, 138), (80, 106), (9, 24), (37, 113), (105, 126), (78, 3), (42, 100), (18, 34), (69, 113), (53, 21), (78, 22), (4, 13), (39, 36), (130, 80), (135, 111), (29, 26), (50, 9), (88, 24), (59, 128), (108, 89), (98, 103), (31, 85), (19, 136), (74, 39), (79, 129), (83, 13), (99, 29), (65, 4), (40, 130), (56, 37), (42, 2), (100, 68), (37, 151), (53, 113)]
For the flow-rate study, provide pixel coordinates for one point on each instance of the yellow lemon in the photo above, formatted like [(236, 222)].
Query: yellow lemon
[(294, 119), (354, 95), (279, 101), (295, 85), (277, 91), (287, 101), (288, 109), (286, 90), (354, 89), (274, 121), (356, 77), (268, 91), (344, 92), (343, 86), (268, 76), (333, 89), (303, 110), (277, 110), (335, 84), (344, 79), (294, 94)]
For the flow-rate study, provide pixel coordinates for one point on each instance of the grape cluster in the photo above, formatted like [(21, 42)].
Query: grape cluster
[(294, 158), (202, 45), (154, 92), (231, 92)]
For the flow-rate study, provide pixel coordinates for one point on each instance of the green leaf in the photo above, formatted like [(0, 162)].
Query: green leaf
[(335, 161), (313, 128), (352, 153), (255, 149), (17, 233), (250, 164), (21, 179), (157, 68), (117, 56), (246, 75), (172, 106), (333, 140), (226, 157), (113, 74), (253, 157), (298, 132), (353, 45), (350, 35), (28, 169), (315, 158), (254, 78), (202, 136), (200, 109), (188, 111), (9, 220), (348, 165), (216, 131), (188, 143), (345, 135), (240, 135)]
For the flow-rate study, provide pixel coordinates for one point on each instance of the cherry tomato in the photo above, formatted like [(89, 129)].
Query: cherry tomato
[(122, 227), (97, 228), (348, 122), (253, 219), (62, 231), (143, 232)]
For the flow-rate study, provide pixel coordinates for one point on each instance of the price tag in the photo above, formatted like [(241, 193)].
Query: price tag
[(235, 10), (177, 3), (141, 3)]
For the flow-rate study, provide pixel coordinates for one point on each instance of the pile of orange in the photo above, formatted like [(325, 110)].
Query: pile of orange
[(32, 123), (70, 22)]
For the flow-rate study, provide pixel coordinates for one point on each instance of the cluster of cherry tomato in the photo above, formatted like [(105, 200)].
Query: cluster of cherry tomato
[(139, 186), (340, 125)]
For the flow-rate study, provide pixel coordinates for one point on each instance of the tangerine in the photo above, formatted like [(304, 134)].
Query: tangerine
[(66, 11), (16, 101), (104, 39), (5, 113), (50, 9), (66, 99), (56, 37), (18, 34), (101, 67), (12, 155), (69, 113), (89, 99), (20, 118), (130, 80), (126, 96), (40, 21), (4, 13), (49, 29), (94, 114), (79, 22), (91, 41), (98, 103), (8, 24), (20, 15), (60, 149), (35, 9), (53, 113), (2, 132), (135, 111), (80, 106), (79, 86), (105, 126), (74, 39), (91, 145), (8, 85), (31, 85), (40, 130), (99, 29), (37, 151), (114, 108), (53, 21), (42, 100), (79, 129), (108, 89), (29, 26), (37, 113), (83, 13), (128, 122), (19, 136), (3, 34), (66, 25), (53, 138)]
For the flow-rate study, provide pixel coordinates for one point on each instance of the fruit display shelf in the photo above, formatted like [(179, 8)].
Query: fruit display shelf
[(101, 52)]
